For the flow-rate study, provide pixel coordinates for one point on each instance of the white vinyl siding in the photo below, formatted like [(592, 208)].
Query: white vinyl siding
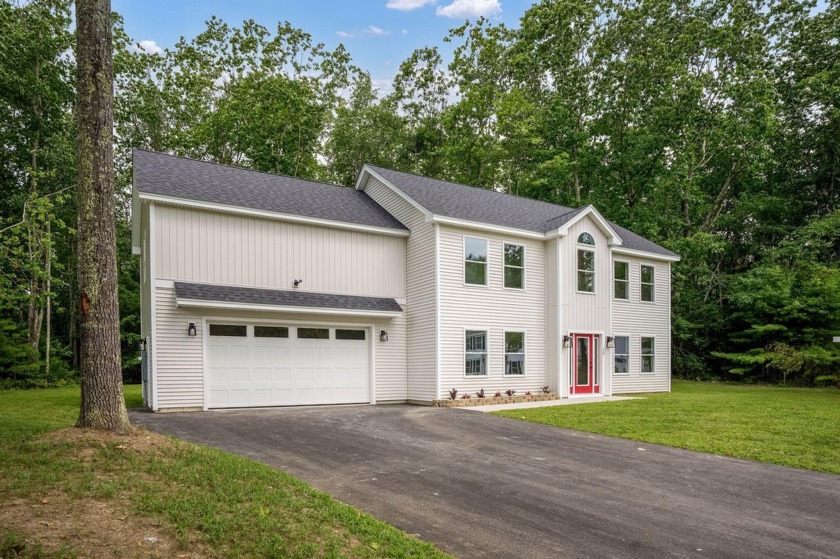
[(420, 291), (180, 373), (494, 309), (650, 319), (213, 247)]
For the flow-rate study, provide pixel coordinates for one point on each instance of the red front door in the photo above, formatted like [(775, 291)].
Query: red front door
[(585, 364)]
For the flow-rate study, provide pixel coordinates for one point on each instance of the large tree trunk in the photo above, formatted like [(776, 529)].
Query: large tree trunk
[(103, 406)]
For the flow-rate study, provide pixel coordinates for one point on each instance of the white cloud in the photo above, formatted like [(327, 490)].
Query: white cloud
[(345, 34), (470, 8), (374, 30), (149, 47), (408, 5), (404, 31)]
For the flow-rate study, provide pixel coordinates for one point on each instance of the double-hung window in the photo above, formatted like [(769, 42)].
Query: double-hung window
[(475, 261), (514, 266), (648, 293), (621, 280), (475, 353), (514, 353), (648, 354), (586, 263), (622, 355)]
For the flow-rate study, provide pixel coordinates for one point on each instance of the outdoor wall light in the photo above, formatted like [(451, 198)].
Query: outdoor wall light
[(610, 342), (297, 282), (191, 329), (567, 341), (383, 336)]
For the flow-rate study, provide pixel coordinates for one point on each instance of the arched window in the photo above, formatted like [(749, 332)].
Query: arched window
[(586, 239), (586, 263)]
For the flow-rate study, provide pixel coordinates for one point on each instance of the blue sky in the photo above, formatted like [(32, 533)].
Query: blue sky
[(379, 34)]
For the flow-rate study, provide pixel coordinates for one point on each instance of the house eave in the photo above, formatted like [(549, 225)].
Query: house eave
[(645, 254), (232, 305)]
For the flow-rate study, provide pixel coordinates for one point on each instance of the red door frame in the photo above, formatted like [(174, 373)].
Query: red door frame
[(591, 387)]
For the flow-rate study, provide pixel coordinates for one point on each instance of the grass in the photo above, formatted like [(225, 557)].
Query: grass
[(231, 506), (790, 426)]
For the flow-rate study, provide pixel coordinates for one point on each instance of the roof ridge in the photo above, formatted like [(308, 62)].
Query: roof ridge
[(473, 187), (236, 168)]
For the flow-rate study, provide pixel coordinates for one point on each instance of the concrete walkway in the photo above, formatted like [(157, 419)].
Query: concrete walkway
[(549, 403)]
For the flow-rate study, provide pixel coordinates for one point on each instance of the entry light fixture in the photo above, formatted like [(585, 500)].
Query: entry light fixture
[(191, 329), (567, 341), (610, 342), (297, 282), (383, 336)]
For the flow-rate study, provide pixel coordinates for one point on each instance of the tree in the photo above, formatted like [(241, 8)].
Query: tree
[(103, 405)]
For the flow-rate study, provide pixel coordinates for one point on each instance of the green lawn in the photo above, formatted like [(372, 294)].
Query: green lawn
[(797, 427), (227, 505)]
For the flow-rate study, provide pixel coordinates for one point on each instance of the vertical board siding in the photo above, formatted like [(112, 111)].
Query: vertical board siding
[(420, 291), (494, 309), (583, 312), (635, 318), (180, 373), (212, 247)]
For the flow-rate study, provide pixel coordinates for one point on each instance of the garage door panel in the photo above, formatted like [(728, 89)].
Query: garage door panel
[(275, 371)]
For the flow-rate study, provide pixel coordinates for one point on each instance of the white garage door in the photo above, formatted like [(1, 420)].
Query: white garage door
[(261, 365)]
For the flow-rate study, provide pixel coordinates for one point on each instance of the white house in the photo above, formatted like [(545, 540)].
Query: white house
[(266, 290)]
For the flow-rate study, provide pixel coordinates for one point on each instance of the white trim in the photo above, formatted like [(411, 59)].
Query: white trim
[(629, 355), (225, 208), (371, 376), (524, 332), (562, 388), (201, 304), (613, 237), (464, 262), (497, 229), (165, 284), (651, 283), (671, 334), (644, 254), (486, 331), (437, 315), (642, 355), (152, 256), (387, 183), (523, 267), (587, 248)]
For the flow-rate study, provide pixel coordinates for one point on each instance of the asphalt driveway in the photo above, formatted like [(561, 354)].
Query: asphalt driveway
[(478, 485)]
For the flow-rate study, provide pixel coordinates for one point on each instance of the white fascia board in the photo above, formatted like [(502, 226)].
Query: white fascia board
[(368, 171), (136, 221), (272, 215), (603, 224), (510, 231), (198, 303), (645, 254)]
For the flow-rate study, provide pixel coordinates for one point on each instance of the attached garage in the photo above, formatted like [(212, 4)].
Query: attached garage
[(251, 365)]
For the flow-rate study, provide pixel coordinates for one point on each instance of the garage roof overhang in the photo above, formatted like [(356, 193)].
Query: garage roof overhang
[(211, 296)]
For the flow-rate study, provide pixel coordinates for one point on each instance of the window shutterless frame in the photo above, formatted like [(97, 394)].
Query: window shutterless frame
[(585, 257), (625, 281), (622, 342), (647, 355), (647, 283), (470, 349), (475, 264), (523, 360), (512, 267)]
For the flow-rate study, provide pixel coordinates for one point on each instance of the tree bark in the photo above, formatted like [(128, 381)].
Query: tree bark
[(103, 405)]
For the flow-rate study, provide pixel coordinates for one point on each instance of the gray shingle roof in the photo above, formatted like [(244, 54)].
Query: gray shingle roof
[(168, 175), (283, 298), (471, 203)]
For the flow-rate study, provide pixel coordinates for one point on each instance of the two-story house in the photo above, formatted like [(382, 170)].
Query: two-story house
[(266, 290)]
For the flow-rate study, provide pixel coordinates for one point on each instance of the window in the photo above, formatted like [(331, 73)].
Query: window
[(621, 277), (648, 354), (514, 266), (476, 353), (647, 283), (231, 330), (349, 334), (271, 332), (514, 353), (622, 355), (313, 333), (475, 261), (586, 271), (586, 239)]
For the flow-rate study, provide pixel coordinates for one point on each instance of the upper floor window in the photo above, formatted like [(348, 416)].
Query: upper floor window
[(648, 293), (586, 239), (586, 264), (514, 266), (621, 279), (475, 261)]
